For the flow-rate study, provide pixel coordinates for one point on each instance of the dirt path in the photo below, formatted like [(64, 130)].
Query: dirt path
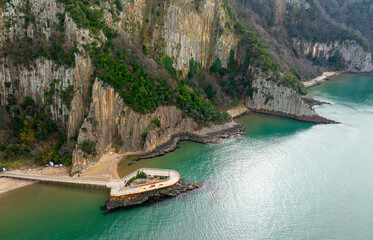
[(319, 79), (106, 167)]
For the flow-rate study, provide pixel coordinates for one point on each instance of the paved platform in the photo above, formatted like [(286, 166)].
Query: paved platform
[(121, 190), (117, 186)]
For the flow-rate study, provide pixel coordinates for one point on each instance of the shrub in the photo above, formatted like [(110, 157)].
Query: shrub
[(210, 92), (157, 122), (193, 68), (88, 147), (118, 4), (16, 149), (3, 146), (47, 155), (139, 174), (27, 135), (216, 67), (67, 160)]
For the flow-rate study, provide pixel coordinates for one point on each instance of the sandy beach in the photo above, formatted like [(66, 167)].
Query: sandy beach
[(319, 79), (237, 111), (105, 168), (8, 185)]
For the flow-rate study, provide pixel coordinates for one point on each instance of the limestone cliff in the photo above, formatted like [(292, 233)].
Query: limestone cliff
[(273, 98), (45, 57), (111, 123), (43, 79), (200, 35), (354, 57)]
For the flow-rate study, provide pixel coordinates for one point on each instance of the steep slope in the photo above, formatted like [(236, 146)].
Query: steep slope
[(306, 39), (81, 77), (354, 14)]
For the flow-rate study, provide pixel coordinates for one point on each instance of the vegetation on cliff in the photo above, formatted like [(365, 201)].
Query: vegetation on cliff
[(312, 26), (127, 55), (356, 15), (33, 137)]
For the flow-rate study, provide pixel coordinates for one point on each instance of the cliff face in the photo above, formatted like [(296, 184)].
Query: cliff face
[(95, 113), (100, 117), (44, 80), (112, 124), (355, 58), (311, 35), (276, 99), (200, 35)]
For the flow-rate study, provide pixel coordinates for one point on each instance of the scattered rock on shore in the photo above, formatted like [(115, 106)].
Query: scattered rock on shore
[(313, 102)]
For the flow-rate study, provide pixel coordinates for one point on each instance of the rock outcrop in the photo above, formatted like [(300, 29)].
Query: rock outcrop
[(136, 199), (94, 113), (354, 57), (199, 35), (110, 123), (275, 99)]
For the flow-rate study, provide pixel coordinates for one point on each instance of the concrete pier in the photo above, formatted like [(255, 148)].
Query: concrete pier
[(117, 186)]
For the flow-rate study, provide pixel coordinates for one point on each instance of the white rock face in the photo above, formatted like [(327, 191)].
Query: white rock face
[(355, 57), (298, 3), (43, 74), (279, 100), (45, 10), (33, 81), (201, 36)]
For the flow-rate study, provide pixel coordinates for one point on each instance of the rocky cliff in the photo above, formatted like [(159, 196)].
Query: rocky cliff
[(276, 99), (200, 34), (353, 57), (46, 56), (112, 124)]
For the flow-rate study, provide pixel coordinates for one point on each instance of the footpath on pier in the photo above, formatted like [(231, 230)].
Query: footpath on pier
[(117, 186)]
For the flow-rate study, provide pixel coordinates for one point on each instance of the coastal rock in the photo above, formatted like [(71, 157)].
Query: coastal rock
[(110, 121), (202, 31), (355, 58), (276, 99), (159, 194), (313, 102), (43, 80)]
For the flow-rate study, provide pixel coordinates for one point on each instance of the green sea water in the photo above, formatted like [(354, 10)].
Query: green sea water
[(283, 179)]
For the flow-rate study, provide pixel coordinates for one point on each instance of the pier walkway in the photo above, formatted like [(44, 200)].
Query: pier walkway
[(117, 186), (120, 190), (60, 179)]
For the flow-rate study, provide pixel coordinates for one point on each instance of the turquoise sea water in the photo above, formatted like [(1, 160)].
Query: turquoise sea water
[(283, 179)]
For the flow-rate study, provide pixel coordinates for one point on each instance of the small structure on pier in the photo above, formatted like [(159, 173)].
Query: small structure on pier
[(144, 180)]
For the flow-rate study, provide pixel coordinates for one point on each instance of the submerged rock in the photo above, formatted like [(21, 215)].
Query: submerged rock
[(313, 102), (158, 194)]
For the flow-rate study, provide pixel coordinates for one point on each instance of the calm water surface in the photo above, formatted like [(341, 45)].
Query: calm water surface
[(283, 179)]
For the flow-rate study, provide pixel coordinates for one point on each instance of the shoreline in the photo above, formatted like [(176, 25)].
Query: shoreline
[(316, 119), (318, 80), (8, 185), (108, 165), (207, 135)]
